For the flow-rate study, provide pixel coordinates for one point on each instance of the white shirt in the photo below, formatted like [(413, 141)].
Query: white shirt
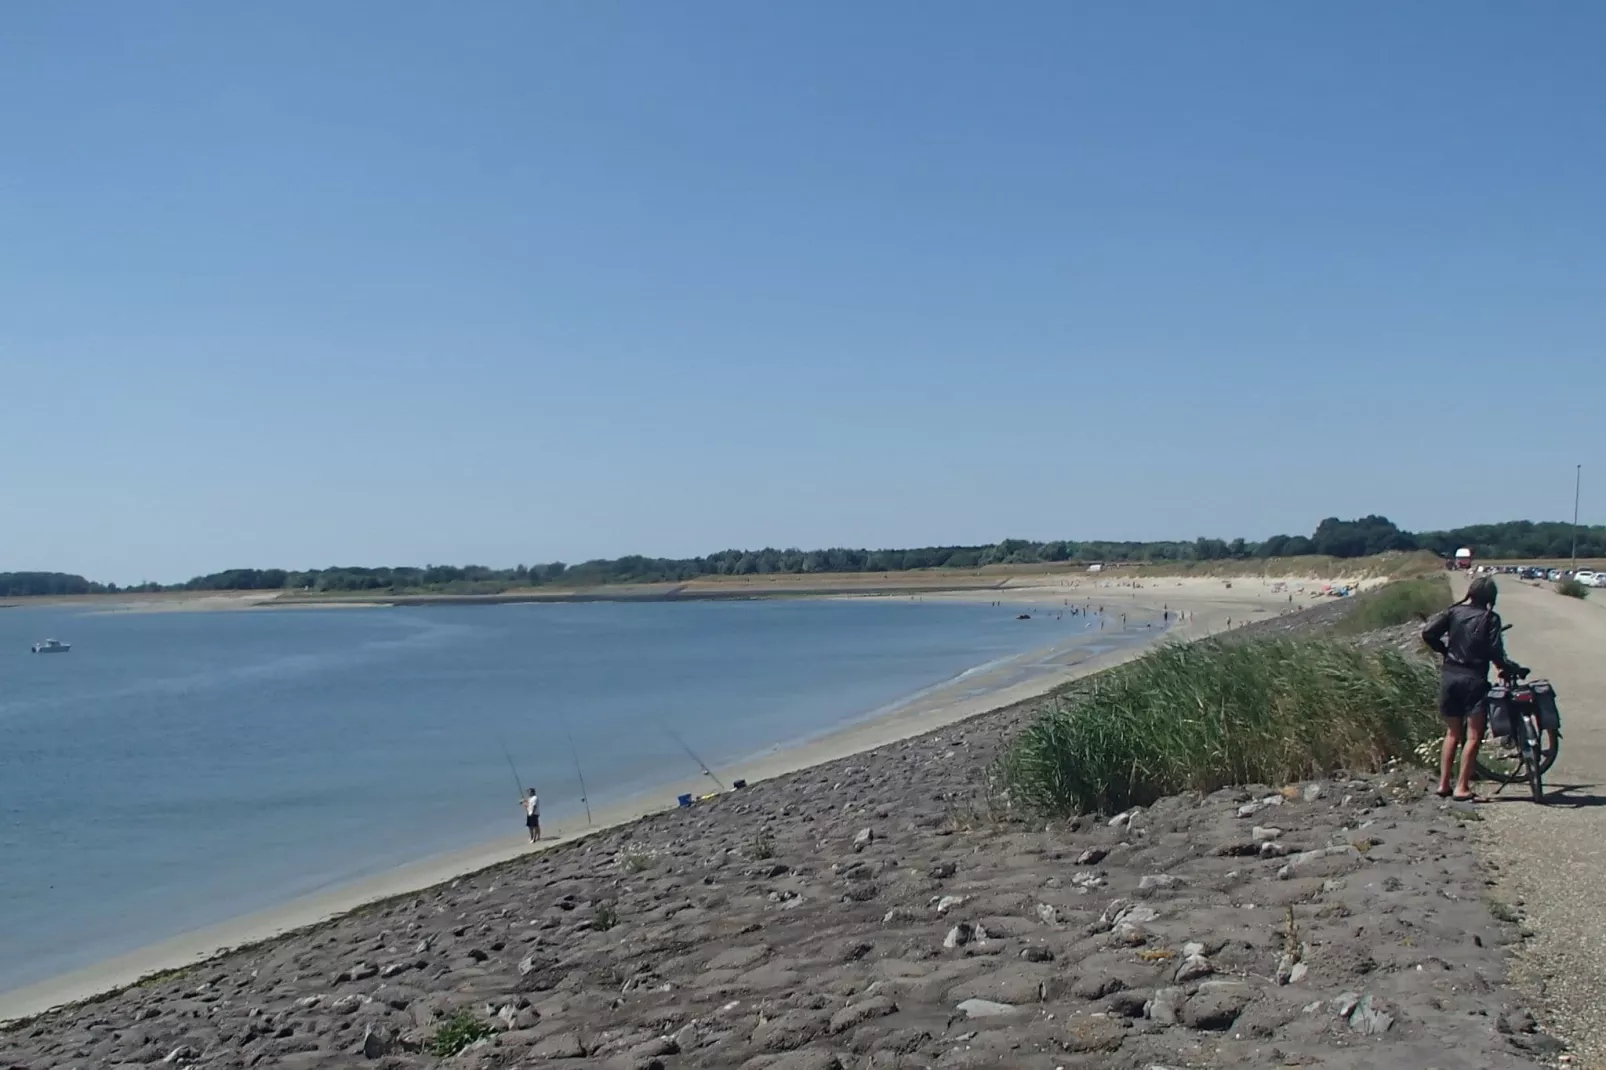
[(532, 806)]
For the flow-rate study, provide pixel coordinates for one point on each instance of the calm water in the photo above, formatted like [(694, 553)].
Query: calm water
[(180, 769)]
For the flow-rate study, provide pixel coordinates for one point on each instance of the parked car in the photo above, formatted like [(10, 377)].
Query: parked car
[(1585, 576)]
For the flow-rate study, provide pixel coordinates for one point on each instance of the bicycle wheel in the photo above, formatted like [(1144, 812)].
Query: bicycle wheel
[(1508, 765), (1533, 758)]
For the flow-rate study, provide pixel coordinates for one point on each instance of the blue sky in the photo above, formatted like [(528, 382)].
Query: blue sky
[(310, 284)]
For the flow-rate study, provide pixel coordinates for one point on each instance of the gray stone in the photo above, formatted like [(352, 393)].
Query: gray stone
[(1192, 968), (562, 1046), (1158, 882), (864, 839), (377, 1042), (1128, 1004), (986, 1008), (859, 1013), (1215, 1009), (1518, 1021), (1091, 857), (1162, 1009), (948, 902), (1370, 1020), (1266, 832)]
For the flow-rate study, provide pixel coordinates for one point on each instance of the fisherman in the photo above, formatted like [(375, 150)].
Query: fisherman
[(532, 815)]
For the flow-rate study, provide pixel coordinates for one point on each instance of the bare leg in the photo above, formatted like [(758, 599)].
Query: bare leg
[(1469, 756), (1455, 729)]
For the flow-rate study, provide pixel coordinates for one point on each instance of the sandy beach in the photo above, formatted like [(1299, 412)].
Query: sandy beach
[(1209, 604)]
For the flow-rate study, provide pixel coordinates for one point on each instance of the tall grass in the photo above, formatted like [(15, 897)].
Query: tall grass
[(1572, 588), (1203, 716), (1397, 603)]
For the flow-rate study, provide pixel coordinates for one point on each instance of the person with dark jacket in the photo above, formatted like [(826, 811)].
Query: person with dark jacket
[(1467, 636)]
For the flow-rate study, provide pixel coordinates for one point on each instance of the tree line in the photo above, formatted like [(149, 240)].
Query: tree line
[(1519, 539)]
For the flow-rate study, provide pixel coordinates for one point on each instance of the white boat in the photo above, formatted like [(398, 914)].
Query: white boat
[(51, 646)]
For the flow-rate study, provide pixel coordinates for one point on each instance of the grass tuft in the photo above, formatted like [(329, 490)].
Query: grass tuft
[(1572, 589), (604, 917), (457, 1033), (762, 846), (1207, 715), (1397, 603)]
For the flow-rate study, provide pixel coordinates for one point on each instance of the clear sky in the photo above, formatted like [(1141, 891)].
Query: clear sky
[(307, 284)]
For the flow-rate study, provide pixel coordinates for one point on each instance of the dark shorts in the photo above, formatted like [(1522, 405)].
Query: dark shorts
[(532, 821), (1461, 694)]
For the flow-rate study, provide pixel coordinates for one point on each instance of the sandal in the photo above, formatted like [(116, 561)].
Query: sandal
[(1443, 793), (1474, 797)]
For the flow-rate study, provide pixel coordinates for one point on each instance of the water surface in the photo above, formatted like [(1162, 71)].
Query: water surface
[(179, 769)]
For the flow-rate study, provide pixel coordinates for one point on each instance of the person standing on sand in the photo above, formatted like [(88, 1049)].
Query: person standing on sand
[(532, 814), (1467, 637)]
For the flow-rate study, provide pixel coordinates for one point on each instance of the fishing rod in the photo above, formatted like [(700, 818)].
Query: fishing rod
[(700, 763), (584, 795), (511, 767)]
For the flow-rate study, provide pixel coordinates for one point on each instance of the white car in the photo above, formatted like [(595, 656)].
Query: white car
[(1585, 577)]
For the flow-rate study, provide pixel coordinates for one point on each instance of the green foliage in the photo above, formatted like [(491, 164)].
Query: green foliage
[(1397, 603), (24, 584), (604, 917), (1572, 589), (1333, 537), (457, 1033), (1207, 715), (1520, 540)]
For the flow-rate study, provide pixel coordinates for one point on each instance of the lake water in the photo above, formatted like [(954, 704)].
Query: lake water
[(180, 769)]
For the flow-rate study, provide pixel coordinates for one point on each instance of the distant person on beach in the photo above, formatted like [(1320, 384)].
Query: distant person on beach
[(532, 815)]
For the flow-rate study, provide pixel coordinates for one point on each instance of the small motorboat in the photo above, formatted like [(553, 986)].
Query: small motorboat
[(51, 646), (1023, 616)]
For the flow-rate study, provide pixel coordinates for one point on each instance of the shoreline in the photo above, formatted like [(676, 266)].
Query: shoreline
[(922, 713)]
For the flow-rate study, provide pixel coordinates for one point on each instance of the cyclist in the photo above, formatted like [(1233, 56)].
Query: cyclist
[(1467, 636)]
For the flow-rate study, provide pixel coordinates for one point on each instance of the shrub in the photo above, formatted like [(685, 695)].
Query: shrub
[(457, 1033), (604, 917), (1207, 715), (1572, 589), (1396, 603), (762, 846)]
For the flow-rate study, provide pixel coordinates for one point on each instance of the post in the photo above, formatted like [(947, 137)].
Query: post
[(1578, 478)]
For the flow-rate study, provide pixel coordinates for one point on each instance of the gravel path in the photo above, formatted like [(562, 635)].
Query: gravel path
[(1552, 859)]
